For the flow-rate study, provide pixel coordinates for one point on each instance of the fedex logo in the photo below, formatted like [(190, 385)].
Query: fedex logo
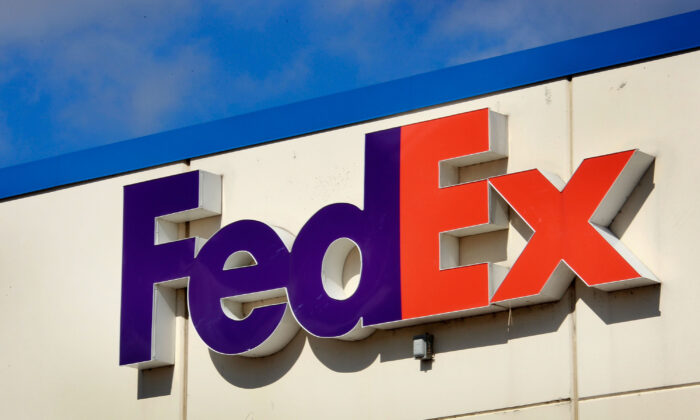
[(404, 238)]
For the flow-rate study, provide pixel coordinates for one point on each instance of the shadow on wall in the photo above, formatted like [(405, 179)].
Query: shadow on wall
[(256, 372), (623, 305), (155, 382), (396, 344), (453, 335), (634, 202)]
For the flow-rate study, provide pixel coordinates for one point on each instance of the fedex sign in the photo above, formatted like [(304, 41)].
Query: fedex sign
[(405, 237)]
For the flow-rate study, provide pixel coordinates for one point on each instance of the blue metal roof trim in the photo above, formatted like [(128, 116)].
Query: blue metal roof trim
[(619, 46)]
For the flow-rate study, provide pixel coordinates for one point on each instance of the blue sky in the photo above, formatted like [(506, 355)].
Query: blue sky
[(80, 73)]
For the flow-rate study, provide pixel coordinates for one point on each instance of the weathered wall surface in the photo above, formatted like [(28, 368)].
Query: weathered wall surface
[(590, 355)]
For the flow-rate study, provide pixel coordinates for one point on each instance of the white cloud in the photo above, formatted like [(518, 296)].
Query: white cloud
[(42, 21), (252, 14), (256, 89), (106, 66), (492, 28), (121, 86)]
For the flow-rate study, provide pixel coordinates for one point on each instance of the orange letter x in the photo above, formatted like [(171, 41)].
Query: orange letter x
[(570, 229)]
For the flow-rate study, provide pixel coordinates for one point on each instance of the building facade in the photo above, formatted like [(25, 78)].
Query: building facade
[(586, 353)]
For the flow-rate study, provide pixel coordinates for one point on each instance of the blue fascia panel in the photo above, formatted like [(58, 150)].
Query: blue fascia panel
[(594, 52)]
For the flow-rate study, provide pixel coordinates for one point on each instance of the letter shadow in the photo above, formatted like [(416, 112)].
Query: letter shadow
[(486, 330), (156, 382), (452, 335), (634, 202), (622, 305), (256, 372)]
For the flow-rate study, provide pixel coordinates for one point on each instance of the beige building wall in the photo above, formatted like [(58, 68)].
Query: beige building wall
[(591, 355)]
